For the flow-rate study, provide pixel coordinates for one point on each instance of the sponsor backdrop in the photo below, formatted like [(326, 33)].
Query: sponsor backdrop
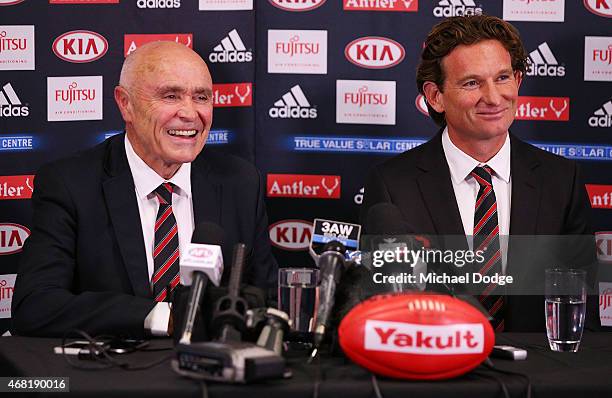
[(313, 92)]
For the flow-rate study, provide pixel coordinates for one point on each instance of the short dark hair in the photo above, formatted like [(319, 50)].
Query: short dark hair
[(466, 30)]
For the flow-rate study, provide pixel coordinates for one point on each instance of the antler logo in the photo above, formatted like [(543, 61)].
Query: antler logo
[(558, 112), (330, 191)]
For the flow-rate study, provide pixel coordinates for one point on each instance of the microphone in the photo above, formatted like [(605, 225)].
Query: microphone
[(201, 262), (331, 263)]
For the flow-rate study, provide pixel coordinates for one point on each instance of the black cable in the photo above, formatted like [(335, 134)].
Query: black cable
[(489, 365), (317, 381)]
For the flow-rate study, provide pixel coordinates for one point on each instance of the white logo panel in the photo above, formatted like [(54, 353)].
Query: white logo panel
[(530, 10), (597, 58), (17, 47), (365, 102), (297, 51), (74, 98), (225, 5)]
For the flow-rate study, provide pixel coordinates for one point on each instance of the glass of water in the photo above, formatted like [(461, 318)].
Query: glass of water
[(297, 296), (565, 307)]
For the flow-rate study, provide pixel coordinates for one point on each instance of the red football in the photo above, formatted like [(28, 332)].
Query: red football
[(416, 336)]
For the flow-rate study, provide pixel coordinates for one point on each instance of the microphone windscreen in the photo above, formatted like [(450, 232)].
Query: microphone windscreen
[(385, 219), (208, 233)]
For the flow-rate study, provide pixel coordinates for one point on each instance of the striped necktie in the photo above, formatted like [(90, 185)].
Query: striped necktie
[(166, 250), (486, 238)]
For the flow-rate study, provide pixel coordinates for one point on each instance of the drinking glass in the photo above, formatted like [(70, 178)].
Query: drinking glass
[(297, 296)]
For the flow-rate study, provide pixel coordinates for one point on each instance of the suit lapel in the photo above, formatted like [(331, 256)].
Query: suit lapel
[(437, 189), (525, 190), (206, 192), (118, 187)]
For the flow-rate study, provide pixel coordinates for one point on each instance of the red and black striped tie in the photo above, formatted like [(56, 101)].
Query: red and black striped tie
[(486, 238), (166, 250)]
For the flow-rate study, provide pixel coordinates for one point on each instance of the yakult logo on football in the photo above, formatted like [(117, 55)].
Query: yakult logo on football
[(297, 5), (231, 49), (534, 10), (74, 98), (456, 8), (381, 5), (132, 41), (374, 52), (7, 285), (543, 108), (597, 58), (600, 196), (158, 3), (365, 101), (17, 47), (603, 243), (232, 94), (16, 187), (291, 235), (602, 117), (303, 186), (544, 63), (466, 338), (602, 8), (10, 104), (297, 51), (293, 105), (80, 46), (12, 237)]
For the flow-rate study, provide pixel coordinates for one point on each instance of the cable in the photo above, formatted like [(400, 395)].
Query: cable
[(375, 386), (489, 364)]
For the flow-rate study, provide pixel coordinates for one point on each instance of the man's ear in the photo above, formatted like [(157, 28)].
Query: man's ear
[(122, 98), (518, 76), (433, 95)]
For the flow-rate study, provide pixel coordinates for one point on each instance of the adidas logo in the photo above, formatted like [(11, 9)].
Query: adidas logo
[(293, 105), (544, 63), (10, 104), (455, 8), (231, 49), (603, 116), (158, 3)]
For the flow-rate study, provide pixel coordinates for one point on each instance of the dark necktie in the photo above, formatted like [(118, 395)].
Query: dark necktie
[(166, 250), (486, 238)]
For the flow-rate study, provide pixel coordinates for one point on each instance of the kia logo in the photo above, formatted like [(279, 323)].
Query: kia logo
[(374, 52), (292, 235), (421, 104), (603, 8), (297, 5), (12, 237), (200, 252), (80, 46)]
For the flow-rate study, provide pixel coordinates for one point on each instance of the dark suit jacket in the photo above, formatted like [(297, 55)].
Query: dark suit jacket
[(548, 198), (84, 265)]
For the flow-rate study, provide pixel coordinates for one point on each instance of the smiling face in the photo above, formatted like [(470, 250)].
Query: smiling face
[(479, 95), (165, 98)]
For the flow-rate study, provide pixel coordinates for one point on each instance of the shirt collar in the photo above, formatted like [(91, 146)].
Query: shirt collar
[(147, 180), (461, 164)]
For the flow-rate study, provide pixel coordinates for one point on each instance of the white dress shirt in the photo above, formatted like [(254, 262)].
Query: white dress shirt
[(466, 187), (146, 181)]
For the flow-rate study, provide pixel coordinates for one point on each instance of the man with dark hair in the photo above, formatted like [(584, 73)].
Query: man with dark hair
[(474, 178), (111, 223)]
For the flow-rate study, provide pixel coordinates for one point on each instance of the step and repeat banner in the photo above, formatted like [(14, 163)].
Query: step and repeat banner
[(314, 92)]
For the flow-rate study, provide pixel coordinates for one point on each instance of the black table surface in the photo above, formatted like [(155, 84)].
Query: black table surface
[(587, 373)]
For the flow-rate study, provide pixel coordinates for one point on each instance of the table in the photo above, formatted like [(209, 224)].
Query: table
[(587, 373)]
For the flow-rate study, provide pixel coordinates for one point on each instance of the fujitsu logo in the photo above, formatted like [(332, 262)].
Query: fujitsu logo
[(6, 291), (11, 43), (456, 8), (295, 47), (293, 105), (74, 93), (605, 299), (467, 338), (602, 117), (603, 55), (231, 49), (10, 104), (363, 97), (544, 63)]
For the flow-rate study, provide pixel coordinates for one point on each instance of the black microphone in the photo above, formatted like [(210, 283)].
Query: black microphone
[(202, 262), (331, 264)]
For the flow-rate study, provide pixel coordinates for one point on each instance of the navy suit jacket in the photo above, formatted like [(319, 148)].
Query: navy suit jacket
[(84, 265), (548, 198)]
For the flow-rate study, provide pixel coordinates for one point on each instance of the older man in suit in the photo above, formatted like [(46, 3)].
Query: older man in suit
[(110, 223), (474, 178)]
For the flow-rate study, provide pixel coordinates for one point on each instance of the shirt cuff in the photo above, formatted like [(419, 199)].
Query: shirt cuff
[(157, 321)]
